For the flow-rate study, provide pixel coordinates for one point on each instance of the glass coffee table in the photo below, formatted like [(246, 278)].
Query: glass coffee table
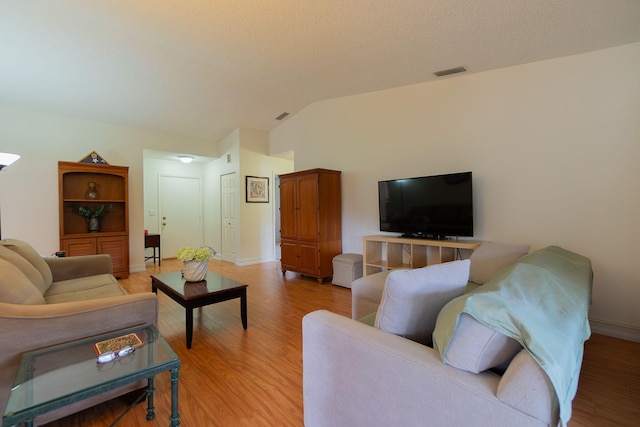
[(56, 376), (215, 288)]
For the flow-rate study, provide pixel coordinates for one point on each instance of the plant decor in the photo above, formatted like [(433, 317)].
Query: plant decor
[(87, 212), (188, 253), (195, 262)]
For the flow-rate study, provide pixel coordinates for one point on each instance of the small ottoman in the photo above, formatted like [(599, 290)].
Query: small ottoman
[(346, 269)]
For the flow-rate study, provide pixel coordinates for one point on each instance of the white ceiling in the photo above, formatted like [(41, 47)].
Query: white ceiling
[(202, 68)]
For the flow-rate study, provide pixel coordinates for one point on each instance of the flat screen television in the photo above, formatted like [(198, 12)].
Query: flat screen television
[(430, 207)]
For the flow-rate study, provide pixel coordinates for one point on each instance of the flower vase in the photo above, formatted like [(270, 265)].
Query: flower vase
[(195, 271), (94, 225)]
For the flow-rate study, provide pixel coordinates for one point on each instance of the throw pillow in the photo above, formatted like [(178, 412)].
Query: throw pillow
[(25, 267), (15, 287), (412, 299), (490, 258), (30, 254)]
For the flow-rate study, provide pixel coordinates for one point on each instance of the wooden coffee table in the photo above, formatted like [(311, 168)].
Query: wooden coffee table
[(215, 288)]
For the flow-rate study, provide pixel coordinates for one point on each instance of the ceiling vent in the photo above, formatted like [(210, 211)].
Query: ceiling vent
[(455, 70), (282, 116)]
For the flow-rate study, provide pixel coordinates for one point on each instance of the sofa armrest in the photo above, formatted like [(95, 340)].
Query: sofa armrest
[(28, 327), (356, 375), (366, 294), (67, 268)]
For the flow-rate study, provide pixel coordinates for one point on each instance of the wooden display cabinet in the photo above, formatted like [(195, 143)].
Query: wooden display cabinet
[(112, 186)]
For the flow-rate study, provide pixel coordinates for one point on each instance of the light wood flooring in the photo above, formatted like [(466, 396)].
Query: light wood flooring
[(232, 377)]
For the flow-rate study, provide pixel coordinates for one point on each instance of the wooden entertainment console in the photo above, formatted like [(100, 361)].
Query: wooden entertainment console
[(388, 253)]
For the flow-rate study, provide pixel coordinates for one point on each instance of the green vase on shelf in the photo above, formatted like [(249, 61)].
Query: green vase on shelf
[(94, 225)]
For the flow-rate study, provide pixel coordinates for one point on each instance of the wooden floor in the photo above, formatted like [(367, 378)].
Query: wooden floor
[(232, 377)]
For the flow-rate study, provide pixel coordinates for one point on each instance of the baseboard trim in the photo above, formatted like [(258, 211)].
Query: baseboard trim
[(137, 268), (616, 330), (251, 261)]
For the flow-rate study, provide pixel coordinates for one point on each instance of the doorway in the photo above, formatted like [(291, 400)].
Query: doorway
[(180, 213), (228, 216)]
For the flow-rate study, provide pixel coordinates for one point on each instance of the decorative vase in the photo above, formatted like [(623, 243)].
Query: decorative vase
[(94, 225), (195, 271), (92, 193)]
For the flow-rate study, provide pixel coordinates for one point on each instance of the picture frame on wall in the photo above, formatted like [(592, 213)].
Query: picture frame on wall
[(257, 189)]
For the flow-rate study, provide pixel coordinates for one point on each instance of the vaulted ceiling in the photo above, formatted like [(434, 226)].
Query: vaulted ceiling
[(202, 68)]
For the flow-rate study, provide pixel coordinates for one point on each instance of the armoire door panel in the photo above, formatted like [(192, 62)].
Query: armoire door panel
[(308, 226), (288, 209), (289, 255), (309, 258)]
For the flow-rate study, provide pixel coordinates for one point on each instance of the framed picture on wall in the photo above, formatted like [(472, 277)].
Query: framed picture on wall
[(257, 189)]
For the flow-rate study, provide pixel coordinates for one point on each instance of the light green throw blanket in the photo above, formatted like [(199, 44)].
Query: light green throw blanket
[(542, 301)]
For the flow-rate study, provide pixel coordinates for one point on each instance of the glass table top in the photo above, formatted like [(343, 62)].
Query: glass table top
[(54, 373)]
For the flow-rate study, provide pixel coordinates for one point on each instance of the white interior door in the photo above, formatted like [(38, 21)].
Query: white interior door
[(228, 216), (180, 214)]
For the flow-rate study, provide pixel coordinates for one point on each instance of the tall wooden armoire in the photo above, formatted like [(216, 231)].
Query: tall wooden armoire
[(311, 222)]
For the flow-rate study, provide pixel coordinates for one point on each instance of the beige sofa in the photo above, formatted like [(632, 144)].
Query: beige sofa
[(358, 375), (47, 301)]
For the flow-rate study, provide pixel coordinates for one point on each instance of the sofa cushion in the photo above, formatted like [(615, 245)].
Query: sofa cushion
[(84, 288), (476, 348), (369, 319), (411, 299), (490, 258), (15, 286)]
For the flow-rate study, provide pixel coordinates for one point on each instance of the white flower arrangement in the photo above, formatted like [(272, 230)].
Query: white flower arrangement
[(188, 253)]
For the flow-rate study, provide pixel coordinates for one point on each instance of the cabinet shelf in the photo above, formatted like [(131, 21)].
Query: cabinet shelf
[(95, 234), (96, 201), (390, 253)]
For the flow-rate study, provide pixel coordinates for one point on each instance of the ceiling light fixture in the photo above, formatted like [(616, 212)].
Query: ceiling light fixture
[(455, 70), (6, 159), (186, 159)]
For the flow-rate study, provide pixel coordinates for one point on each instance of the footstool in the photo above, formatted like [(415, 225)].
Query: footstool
[(346, 269)]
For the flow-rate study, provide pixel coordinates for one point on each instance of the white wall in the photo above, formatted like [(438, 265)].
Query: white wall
[(554, 147), (29, 187), (257, 237)]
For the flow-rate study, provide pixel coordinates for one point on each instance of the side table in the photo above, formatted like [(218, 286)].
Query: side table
[(153, 241)]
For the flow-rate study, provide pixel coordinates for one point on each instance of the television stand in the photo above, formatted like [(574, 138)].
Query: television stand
[(381, 253), (425, 236)]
